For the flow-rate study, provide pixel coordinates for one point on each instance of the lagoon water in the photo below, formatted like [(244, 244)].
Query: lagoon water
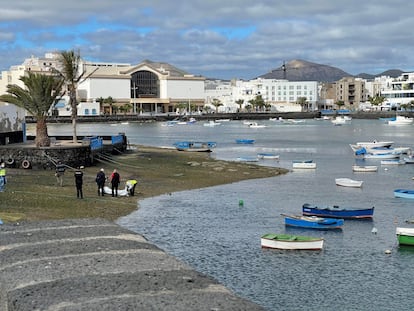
[(209, 230)]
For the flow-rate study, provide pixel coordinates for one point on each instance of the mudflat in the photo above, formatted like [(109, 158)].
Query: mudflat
[(35, 195)]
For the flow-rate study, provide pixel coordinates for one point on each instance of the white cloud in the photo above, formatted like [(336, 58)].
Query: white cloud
[(206, 37)]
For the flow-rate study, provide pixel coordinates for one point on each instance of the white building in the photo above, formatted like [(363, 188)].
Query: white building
[(398, 91), (282, 95)]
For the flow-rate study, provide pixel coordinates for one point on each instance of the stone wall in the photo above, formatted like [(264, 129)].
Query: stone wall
[(19, 156)]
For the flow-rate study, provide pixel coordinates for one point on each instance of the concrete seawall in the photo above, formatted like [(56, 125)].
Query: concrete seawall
[(94, 264)]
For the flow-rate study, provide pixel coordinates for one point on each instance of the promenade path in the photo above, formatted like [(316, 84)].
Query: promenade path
[(94, 264)]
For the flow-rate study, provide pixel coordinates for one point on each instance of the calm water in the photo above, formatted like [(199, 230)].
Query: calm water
[(208, 229)]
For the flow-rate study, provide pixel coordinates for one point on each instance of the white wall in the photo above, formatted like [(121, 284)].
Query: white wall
[(94, 88), (183, 89)]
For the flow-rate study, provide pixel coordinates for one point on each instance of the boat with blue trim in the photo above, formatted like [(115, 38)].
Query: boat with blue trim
[(335, 211)]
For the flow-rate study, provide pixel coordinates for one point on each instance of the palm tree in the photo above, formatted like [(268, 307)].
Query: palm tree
[(302, 102), (41, 93), (70, 62), (109, 100), (240, 103), (216, 103)]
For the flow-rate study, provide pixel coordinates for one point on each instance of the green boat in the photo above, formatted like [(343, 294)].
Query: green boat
[(405, 236)]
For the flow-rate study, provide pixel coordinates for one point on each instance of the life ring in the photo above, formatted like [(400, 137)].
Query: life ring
[(26, 164), (10, 161)]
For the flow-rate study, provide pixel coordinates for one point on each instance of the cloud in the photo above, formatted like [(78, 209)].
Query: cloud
[(221, 39)]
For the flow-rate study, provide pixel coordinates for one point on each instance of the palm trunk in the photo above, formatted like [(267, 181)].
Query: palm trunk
[(42, 138), (74, 115)]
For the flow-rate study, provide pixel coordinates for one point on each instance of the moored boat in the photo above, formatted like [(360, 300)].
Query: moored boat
[(291, 242), (313, 222), (264, 155), (335, 211), (401, 120), (195, 146), (405, 236), (375, 143), (364, 168), (244, 141), (348, 182), (392, 162), (404, 193), (303, 164)]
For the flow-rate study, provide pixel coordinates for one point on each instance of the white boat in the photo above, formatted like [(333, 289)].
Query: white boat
[(290, 241), (255, 125), (305, 164), (401, 120), (364, 168), (389, 155), (211, 123), (348, 182), (409, 159), (272, 156), (375, 143), (341, 120), (392, 162), (247, 159)]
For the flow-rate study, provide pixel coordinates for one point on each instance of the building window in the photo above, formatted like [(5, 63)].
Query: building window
[(145, 84)]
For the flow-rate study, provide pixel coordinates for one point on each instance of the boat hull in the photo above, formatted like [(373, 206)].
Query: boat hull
[(347, 182), (368, 168), (337, 212), (190, 146), (291, 242), (313, 222), (304, 165), (404, 193), (405, 236)]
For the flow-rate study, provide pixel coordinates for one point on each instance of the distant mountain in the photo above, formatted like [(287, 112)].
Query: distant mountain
[(393, 73), (300, 70)]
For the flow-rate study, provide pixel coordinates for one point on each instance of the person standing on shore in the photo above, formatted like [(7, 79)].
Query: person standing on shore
[(79, 182), (115, 180), (100, 181), (2, 176), (60, 171)]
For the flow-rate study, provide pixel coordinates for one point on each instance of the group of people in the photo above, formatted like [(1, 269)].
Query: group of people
[(101, 179)]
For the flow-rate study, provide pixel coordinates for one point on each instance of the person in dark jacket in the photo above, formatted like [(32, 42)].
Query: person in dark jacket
[(100, 181), (79, 182), (60, 171), (115, 181)]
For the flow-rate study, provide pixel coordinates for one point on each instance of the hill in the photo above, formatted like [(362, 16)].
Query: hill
[(300, 70)]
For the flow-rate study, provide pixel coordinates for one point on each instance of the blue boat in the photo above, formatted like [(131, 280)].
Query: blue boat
[(313, 222), (404, 193), (336, 211), (195, 146), (245, 141)]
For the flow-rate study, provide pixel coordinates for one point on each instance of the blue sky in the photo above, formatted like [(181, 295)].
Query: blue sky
[(216, 39)]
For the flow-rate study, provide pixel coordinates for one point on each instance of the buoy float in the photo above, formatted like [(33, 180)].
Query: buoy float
[(26, 164), (387, 251), (241, 203)]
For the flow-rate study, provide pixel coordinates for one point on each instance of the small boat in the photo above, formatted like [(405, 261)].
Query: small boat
[(223, 120), (404, 193), (303, 164), (244, 141), (313, 222), (335, 211), (211, 123), (364, 168), (271, 156), (247, 159), (392, 162), (389, 155), (341, 120), (195, 146), (348, 182), (405, 236), (375, 143), (255, 125), (401, 120), (291, 242), (409, 159)]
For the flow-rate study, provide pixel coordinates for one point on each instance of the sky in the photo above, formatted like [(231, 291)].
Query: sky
[(215, 39)]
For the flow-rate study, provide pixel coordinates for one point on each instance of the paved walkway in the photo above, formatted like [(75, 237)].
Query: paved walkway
[(94, 264)]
